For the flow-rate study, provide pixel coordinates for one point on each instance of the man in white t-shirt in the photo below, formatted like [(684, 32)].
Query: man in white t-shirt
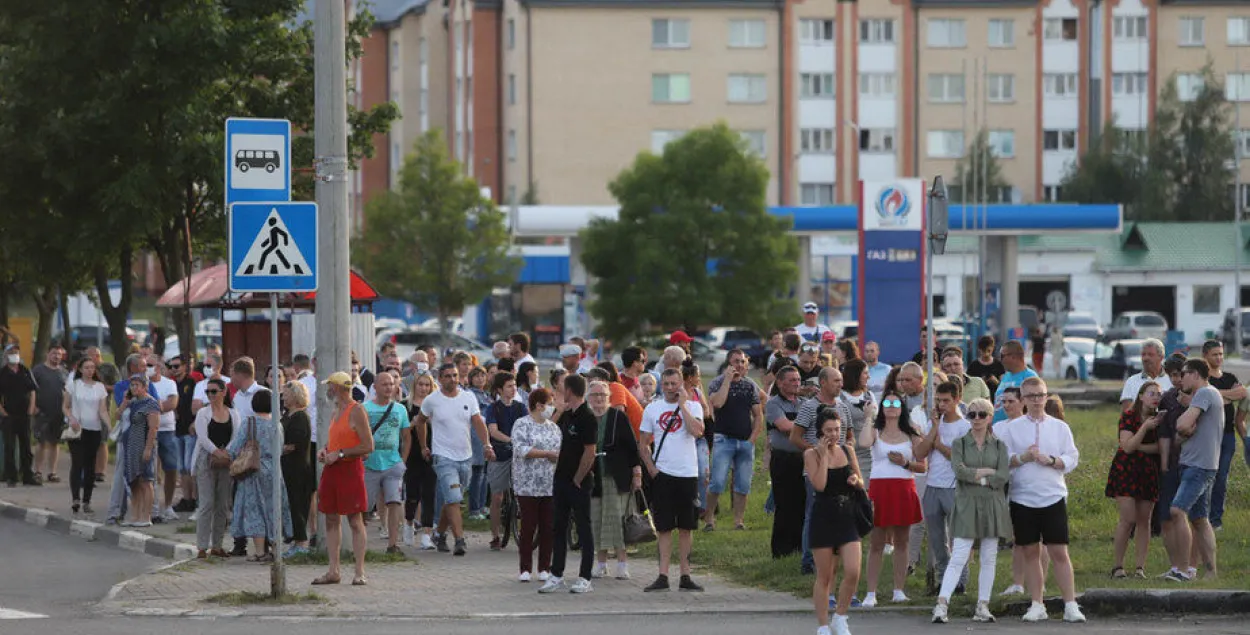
[(672, 426), (1151, 370), (212, 369), (809, 330), (938, 504), (454, 416), (243, 378), (167, 447)]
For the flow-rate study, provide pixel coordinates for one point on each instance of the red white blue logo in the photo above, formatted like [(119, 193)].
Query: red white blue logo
[(893, 206)]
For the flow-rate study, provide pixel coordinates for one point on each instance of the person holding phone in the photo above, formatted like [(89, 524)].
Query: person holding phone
[(834, 536), (1133, 481)]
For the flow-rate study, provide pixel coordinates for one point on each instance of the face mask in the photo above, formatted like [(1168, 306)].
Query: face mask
[(548, 411), (150, 372), (208, 371), (15, 359), (423, 367)]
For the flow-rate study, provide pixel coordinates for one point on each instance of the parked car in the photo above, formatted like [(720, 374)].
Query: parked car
[(1074, 349), (406, 342), (845, 328), (1230, 325), (1137, 325), (1117, 360), (173, 347), (1082, 325), (388, 323), (731, 337), (708, 358), (456, 325)]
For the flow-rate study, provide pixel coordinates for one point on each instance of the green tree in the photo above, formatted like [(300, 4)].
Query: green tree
[(978, 170), (436, 242), (1112, 169), (693, 243)]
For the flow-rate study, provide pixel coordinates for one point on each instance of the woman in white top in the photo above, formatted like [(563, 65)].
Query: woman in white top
[(535, 450), (86, 409), (892, 488), (215, 426)]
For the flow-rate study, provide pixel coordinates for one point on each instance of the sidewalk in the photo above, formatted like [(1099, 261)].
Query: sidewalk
[(434, 585)]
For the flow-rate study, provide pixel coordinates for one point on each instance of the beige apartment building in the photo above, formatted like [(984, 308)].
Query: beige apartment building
[(555, 97)]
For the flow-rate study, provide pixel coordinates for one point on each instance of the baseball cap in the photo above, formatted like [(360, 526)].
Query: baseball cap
[(811, 307), (339, 379), (569, 350), (679, 337), (829, 337)]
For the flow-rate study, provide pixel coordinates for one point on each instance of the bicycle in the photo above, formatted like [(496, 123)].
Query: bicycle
[(510, 516)]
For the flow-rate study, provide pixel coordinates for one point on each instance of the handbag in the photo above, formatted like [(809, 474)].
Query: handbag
[(863, 507), (69, 434), (637, 528), (248, 460)]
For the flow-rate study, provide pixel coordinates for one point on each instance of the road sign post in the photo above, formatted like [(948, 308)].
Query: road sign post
[(273, 249)]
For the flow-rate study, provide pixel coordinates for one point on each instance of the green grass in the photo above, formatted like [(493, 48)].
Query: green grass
[(185, 528), (371, 556), (744, 557), (241, 598)]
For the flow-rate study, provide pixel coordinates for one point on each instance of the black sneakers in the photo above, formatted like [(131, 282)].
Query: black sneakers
[(660, 584), (440, 542), (687, 584), (460, 547)]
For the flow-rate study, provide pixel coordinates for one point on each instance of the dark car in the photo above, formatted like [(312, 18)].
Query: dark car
[(729, 337), (1229, 326), (1117, 360)]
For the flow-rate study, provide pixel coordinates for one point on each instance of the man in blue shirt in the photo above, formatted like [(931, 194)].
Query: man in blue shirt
[(1017, 371)]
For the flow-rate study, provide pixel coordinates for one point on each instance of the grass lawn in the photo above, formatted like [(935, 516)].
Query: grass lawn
[(744, 557)]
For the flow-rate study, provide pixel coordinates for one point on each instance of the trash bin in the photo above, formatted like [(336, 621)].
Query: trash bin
[(1082, 369)]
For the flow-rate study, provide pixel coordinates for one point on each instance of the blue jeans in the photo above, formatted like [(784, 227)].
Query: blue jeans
[(738, 454), (452, 476), (1228, 449), (1193, 496), (808, 563), (700, 445)]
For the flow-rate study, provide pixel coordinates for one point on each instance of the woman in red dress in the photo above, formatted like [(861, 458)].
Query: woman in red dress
[(1134, 478)]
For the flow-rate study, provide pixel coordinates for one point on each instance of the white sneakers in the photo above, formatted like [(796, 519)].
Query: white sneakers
[(982, 613), (940, 614), (870, 600), (601, 570), (581, 585), (1072, 613), (553, 584), (899, 596), (889, 549), (427, 544), (840, 626), (169, 514), (1014, 589), (1036, 613), (543, 576), (383, 533), (824, 630), (410, 534), (524, 577), (622, 571)]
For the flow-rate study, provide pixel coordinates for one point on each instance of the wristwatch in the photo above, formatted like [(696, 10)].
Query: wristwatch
[(341, 455)]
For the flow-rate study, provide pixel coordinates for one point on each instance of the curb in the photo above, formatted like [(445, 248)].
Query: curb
[(1148, 602), (119, 537)]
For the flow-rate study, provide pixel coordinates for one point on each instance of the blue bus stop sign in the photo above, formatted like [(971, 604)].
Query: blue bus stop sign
[(258, 160)]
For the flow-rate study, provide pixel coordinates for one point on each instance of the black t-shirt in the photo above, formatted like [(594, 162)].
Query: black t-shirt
[(1224, 382), (15, 390), (734, 418), (578, 429), (185, 419)]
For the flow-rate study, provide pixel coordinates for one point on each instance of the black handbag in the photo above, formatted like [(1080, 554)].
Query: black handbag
[(636, 526), (863, 507)]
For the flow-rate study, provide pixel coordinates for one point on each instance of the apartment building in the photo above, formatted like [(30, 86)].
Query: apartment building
[(553, 98)]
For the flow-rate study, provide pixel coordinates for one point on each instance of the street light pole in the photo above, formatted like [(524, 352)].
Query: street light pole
[(1237, 205)]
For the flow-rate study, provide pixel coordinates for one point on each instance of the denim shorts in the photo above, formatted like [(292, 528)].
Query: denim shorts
[(739, 454), (169, 450), (1193, 496), (187, 444), (453, 479)]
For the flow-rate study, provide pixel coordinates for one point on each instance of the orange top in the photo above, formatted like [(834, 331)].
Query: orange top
[(342, 435), (620, 396)]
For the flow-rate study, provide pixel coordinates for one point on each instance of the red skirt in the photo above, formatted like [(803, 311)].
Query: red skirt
[(894, 502), (342, 491)]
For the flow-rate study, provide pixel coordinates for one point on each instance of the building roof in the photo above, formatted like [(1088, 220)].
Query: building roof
[(972, 4), (392, 11), (658, 4)]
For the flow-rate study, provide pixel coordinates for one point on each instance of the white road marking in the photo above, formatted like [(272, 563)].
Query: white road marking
[(11, 614)]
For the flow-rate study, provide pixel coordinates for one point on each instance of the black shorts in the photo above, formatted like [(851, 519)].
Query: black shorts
[(675, 502), (1046, 524)]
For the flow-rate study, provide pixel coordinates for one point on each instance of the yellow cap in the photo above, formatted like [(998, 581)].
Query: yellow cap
[(339, 379)]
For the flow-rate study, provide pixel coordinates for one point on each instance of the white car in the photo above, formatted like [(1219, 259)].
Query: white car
[(383, 324), (173, 347), (1074, 348)]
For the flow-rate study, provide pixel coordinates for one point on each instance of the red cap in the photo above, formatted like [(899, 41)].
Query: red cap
[(679, 337), (829, 337)]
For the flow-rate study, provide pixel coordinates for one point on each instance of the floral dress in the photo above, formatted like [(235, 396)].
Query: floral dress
[(253, 499), (533, 477), (1134, 475)]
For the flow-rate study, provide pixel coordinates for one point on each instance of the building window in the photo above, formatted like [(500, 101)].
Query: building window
[(1052, 193), (1061, 29), (1003, 143), (1206, 298), (1133, 139), (511, 89), (1058, 139), (1059, 84), (947, 33), (755, 142), (510, 35), (816, 193), (459, 146), (816, 141), (946, 88), (816, 85), (661, 138), (876, 140), (1239, 31), (1241, 143), (1128, 83), (945, 144), (748, 34), (747, 89), (876, 31), (1002, 194), (1237, 87), (1192, 32), (669, 33), (394, 56), (876, 85), (1189, 86), (1002, 88), (1129, 27), (1002, 33), (512, 145), (670, 88), (815, 31)]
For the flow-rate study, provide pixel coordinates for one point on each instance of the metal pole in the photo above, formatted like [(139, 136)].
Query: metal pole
[(1237, 206), (277, 573), (930, 336), (333, 351)]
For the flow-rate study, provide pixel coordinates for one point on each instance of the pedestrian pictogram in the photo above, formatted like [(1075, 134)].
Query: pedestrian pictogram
[(273, 247)]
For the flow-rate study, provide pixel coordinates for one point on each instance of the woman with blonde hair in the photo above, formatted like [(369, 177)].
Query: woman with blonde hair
[(296, 459)]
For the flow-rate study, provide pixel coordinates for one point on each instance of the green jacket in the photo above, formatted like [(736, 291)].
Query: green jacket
[(980, 510)]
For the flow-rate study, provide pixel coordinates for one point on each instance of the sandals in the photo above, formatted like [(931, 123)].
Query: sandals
[(53, 478), (261, 559), (361, 581), (1118, 573), (326, 579), (1139, 573)]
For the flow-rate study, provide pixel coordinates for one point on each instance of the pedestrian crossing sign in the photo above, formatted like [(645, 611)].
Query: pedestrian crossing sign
[(273, 247)]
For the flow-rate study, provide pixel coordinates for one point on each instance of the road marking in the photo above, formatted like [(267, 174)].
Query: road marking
[(11, 614)]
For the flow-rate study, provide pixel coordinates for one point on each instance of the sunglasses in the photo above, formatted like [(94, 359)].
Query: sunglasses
[(892, 403), (175, 366), (212, 392), (979, 415)]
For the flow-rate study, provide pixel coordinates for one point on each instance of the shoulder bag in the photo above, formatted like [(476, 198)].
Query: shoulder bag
[(637, 527), (863, 505), (248, 461)]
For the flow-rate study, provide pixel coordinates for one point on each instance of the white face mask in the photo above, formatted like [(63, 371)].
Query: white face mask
[(423, 367), (208, 370), (548, 411), (15, 359), (150, 372)]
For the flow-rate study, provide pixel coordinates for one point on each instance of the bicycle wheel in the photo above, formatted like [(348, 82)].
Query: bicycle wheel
[(508, 515)]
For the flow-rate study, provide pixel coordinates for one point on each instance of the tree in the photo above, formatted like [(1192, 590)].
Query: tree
[(693, 243), (978, 170), (436, 242), (1111, 170)]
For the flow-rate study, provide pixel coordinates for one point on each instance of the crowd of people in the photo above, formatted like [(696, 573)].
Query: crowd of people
[(853, 447)]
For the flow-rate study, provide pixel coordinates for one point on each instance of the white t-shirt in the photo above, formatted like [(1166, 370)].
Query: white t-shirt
[(941, 473), (85, 403), (166, 387), (201, 388), (678, 457), (1133, 385), (451, 421), (811, 333), (243, 400)]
